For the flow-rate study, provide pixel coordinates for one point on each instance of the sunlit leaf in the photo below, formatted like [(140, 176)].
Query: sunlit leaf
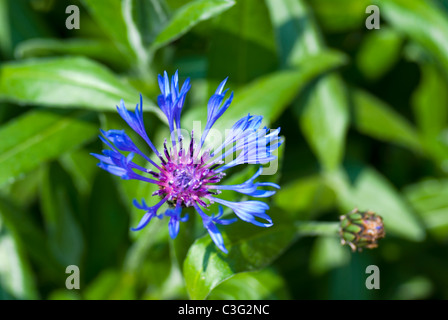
[(325, 120), (74, 82), (258, 285), (250, 248), (188, 16), (422, 22), (39, 136)]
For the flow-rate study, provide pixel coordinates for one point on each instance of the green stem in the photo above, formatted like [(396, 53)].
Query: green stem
[(314, 228)]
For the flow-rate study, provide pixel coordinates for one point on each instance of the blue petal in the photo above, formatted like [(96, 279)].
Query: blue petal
[(241, 130), (144, 221), (209, 224), (249, 187), (151, 212), (171, 100), (255, 149), (216, 236), (249, 210), (173, 227), (114, 170), (214, 108), (224, 222), (135, 121)]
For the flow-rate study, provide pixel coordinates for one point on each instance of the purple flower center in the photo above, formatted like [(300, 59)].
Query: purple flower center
[(184, 177)]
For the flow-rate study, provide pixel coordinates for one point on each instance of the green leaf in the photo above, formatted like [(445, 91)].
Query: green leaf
[(430, 200), (242, 45), (421, 21), (16, 278), (60, 209), (250, 248), (40, 136), (378, 53), (258, 285), (101, 50), (430, 102), (376, 119), (293, 27), (369, 190), (150, 17), (187, 17), (66, 82)]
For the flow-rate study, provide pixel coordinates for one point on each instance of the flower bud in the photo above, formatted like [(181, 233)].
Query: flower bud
[(361, 229)]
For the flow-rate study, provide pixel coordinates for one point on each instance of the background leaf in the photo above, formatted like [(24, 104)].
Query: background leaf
[(247, 39), (61, 210), (378, 53), (380, 121)]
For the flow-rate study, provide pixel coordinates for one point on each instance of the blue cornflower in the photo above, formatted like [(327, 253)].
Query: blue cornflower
[(190, 176)]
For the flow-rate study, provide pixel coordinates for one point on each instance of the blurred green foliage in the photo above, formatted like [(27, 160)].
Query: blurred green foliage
[(364, 114)]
